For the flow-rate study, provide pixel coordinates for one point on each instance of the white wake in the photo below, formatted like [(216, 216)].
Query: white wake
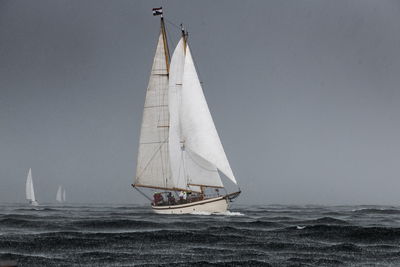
[(226, 213)]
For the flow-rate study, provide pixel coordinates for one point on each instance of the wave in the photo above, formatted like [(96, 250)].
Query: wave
[(115, 224), (351, 233), (298, 261), (323, 220), (344, 247), (24, 223), (328, 220), (258, 224), (376, 211), (222, 263)]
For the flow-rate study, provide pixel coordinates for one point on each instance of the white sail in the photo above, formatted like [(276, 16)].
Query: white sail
[(153, 168), (59, 194), (197, 127), (199, 171), (29, 192), (174, 96), (63, 196), (186, 166)]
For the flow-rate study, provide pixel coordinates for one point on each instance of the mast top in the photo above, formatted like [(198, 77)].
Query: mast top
[(158, 11), (185, 34)]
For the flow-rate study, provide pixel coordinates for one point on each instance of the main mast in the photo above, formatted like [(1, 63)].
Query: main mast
[(164, 35), (153, 164)]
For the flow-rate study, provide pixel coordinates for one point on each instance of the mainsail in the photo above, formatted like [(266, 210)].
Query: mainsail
[(29, 192), (179, 147), (153, 167)]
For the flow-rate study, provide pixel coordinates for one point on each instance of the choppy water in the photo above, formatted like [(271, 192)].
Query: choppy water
[(93, 235)]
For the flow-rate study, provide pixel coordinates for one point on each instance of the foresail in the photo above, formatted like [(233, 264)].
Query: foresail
[(199, 171), (198, 129), (63, 196), (174, 93), (153, 168)]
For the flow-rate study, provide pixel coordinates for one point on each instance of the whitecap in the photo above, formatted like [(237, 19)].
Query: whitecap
[(226, 213)]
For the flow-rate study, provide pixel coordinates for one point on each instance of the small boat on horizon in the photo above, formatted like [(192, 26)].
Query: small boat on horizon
[(29, 191), (180, 153), (60, 197)]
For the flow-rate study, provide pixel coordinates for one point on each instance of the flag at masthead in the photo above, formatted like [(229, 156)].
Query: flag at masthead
[(157, 11)]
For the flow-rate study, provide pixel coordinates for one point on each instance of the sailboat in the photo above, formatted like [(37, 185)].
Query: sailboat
[(180, 153), (30, 193), (60, 197)]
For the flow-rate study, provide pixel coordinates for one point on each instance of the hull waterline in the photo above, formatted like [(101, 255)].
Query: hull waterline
[(34, 203), (212, 205)]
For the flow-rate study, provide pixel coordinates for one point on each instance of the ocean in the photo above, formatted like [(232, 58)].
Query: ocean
[(269, 235)]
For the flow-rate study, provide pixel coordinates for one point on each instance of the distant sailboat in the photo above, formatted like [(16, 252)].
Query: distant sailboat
[(180, 151), (63, 196), (30, 193), (60, 195)]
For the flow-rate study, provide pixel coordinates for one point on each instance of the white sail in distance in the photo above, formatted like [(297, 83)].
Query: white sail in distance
[(63, 196), (59, 194), (29, 191)]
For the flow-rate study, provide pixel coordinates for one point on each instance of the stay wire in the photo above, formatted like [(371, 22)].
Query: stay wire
[(173, 24)]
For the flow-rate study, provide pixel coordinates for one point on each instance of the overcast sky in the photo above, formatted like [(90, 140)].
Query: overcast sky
[(305, 95)]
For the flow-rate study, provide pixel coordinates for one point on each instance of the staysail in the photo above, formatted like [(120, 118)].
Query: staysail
[(29, 192)]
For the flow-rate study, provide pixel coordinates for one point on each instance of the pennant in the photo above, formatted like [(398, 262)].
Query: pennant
[(157, 11)]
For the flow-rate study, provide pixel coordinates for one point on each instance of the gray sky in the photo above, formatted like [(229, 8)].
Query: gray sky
[(305, 95)]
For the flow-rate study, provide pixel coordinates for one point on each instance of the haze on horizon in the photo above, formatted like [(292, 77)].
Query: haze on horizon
[(305, 95)]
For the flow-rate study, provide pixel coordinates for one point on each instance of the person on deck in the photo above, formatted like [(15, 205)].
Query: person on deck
[(181, 197), (158, 198), (171, 199), (217, 191)]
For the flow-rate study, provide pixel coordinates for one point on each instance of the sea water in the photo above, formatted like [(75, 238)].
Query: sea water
[(268, 235)]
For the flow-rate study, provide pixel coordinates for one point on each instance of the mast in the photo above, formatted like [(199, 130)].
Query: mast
[(164, 35)]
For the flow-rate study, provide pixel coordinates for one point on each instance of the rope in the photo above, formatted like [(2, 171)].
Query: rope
[(173, 24), (143, 194)]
